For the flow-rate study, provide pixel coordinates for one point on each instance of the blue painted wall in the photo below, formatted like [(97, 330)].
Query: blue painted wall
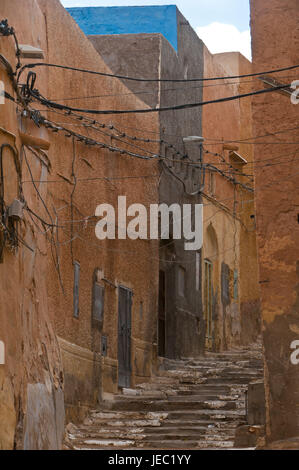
[(128, 20)]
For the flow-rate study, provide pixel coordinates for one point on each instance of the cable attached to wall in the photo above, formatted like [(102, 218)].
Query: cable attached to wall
[(6, 30), (8, 225)]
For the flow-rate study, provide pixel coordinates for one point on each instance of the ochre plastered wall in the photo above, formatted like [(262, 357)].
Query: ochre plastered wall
[(46, 348), (275, 44), (32, 373), (129, 263), (229, 209)]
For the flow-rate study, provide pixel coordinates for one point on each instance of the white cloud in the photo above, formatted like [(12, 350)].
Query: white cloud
[(219, 37)]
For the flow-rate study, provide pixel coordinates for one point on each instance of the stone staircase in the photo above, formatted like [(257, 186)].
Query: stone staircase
[(191, 404)]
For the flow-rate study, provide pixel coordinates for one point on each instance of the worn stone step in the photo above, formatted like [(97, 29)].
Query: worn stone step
[(150, 427), (106, 433), (194, 403), (140, 398), (242, 372), (181, 373), (247, 363), (105, 414), (212, 415), (184, 434), (168, 445), (92, 444), (125, 423), (174, 429), (210, 445), (208, 424), (232, 357), (232, 372), (168, 405), (172, 434), (185, 445), (199, 397), (189, 415), (203, 366), (229, 380), (218, 388), (205, 393), (194, 396), (179, 392), (166, 380), (180, 435), (183, 416)]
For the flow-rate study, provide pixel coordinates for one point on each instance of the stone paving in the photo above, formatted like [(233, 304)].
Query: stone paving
[(191, 404)]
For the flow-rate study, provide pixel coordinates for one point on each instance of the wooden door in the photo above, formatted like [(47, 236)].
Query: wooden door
[(124, 336)]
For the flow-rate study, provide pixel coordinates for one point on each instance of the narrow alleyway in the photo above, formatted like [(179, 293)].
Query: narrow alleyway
[(191, 404)]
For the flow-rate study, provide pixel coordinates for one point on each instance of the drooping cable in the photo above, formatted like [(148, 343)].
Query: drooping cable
[(36, 95), (136, 79)]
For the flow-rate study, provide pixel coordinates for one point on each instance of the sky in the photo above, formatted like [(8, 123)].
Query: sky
[(223, 25)]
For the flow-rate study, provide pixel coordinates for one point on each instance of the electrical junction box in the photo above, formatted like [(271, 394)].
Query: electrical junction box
[(29, 52)]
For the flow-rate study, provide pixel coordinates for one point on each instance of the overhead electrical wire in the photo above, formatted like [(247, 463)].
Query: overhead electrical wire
[(35, 94), (212, 168), (179, 107), (135, 252), (148, 140), (170, 146), (89, 217), (136, 79), (207, 141), (262, 164), (112, 127), (89, 141), (103, 178), (92, 123), (5, 30), (165, 90), (269, 134), (220, 201)]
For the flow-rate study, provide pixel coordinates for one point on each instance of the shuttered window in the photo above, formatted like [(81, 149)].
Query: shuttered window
[(98, 302)]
